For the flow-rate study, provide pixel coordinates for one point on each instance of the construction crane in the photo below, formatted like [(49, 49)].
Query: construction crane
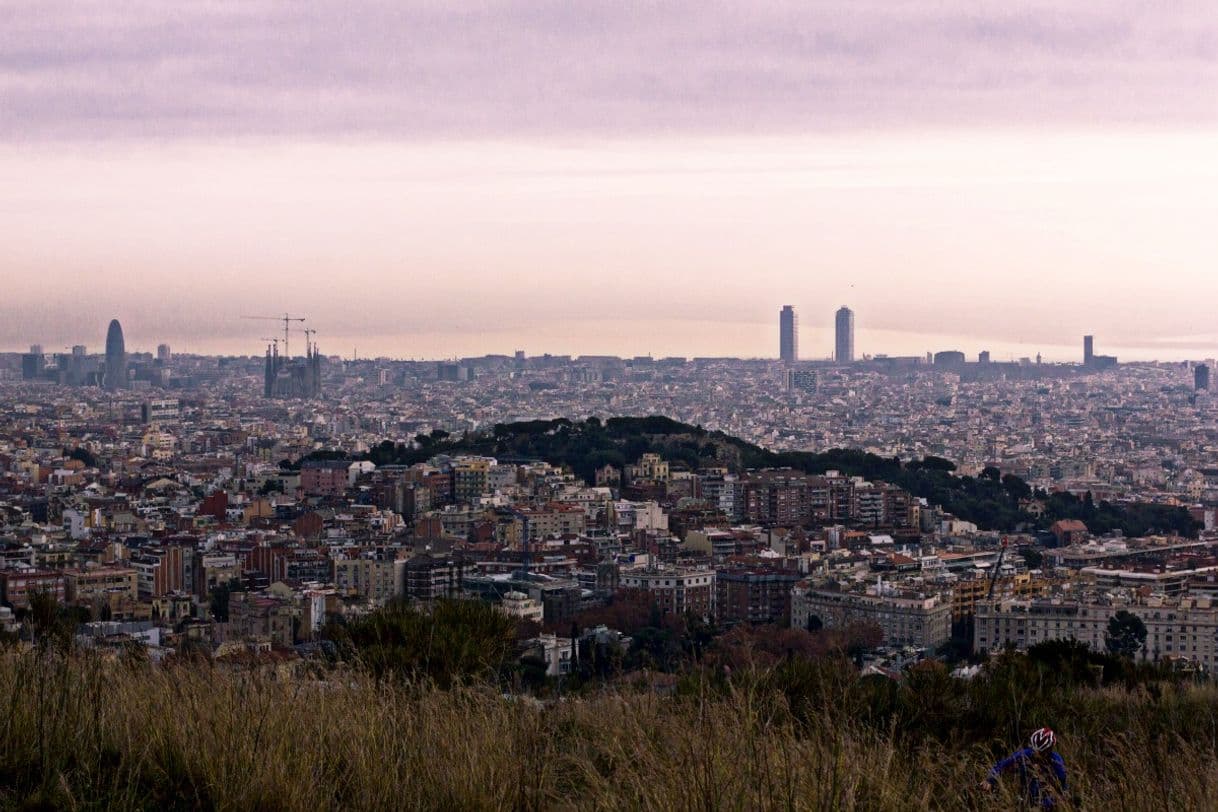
[(287, 319), (1002, 552), (270, 340)]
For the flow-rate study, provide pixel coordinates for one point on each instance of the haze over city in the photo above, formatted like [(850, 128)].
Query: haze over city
[(543, 405), (437, 182)]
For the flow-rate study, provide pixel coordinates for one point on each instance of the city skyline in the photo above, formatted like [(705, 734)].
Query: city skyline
[(842, 330), (414, 177), (400, 383)]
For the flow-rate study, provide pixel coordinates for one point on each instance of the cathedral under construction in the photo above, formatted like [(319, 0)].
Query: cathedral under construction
[(292, 377)]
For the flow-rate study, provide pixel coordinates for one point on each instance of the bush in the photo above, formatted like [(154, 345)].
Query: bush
[(456, 641)]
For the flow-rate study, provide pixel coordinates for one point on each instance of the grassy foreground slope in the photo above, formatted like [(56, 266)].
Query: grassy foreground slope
[(78, 733)]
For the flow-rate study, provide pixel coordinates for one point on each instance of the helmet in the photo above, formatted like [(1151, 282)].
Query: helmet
[(1043, 740)]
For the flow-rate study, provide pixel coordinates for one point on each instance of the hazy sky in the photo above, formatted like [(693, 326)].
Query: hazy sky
[(445, 178)]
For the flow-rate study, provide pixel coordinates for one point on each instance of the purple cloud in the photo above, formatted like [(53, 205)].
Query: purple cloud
[(99, 70)]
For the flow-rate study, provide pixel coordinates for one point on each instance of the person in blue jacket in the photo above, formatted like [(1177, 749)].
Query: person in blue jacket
[(1042, 771)]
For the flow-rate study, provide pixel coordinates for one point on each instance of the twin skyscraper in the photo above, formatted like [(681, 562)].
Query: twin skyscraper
[(788, 335)]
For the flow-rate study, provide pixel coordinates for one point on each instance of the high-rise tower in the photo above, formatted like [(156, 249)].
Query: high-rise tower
[(1088, 350), (116, 358), (788, 335), (843, 351)]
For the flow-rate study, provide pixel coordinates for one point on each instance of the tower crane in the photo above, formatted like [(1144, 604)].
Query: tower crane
[(286, 318)]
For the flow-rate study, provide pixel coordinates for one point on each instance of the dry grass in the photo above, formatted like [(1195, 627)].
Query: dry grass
[(79, 733)]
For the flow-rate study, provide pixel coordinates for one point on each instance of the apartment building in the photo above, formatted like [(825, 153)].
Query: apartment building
[(161, 570), (755, 596), (676, 591), (904, 618), (973, 589), (17, 586), (520, 606), (215, 570), (428, 578), (378, 580), (258, 617), (778, 497), (551, 521), (97, 586), (1184, 628), (324, 477), (469, 478)]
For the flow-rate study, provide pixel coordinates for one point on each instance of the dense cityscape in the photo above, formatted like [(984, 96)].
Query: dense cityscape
[(528, 406), (235, 505)]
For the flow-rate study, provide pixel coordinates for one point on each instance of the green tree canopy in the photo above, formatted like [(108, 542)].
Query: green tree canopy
[(1126, 634), (582, 447), (84, 455)]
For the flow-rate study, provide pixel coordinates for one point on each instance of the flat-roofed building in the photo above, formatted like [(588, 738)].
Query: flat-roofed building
[(755, 596), (161, 570), (261, 617), (1184, 628), (777, 497), (905, 619), (100, 585), (324, 477), (429, 578), (470, 475), (551, 521), (974, 587), (520, 606), (18, 586), (160, 410), (377, 579), (215, 570), (676, 591), (1158, 580)]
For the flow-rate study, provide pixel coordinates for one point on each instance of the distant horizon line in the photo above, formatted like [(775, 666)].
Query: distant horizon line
[(709, 339), (824, 361)]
